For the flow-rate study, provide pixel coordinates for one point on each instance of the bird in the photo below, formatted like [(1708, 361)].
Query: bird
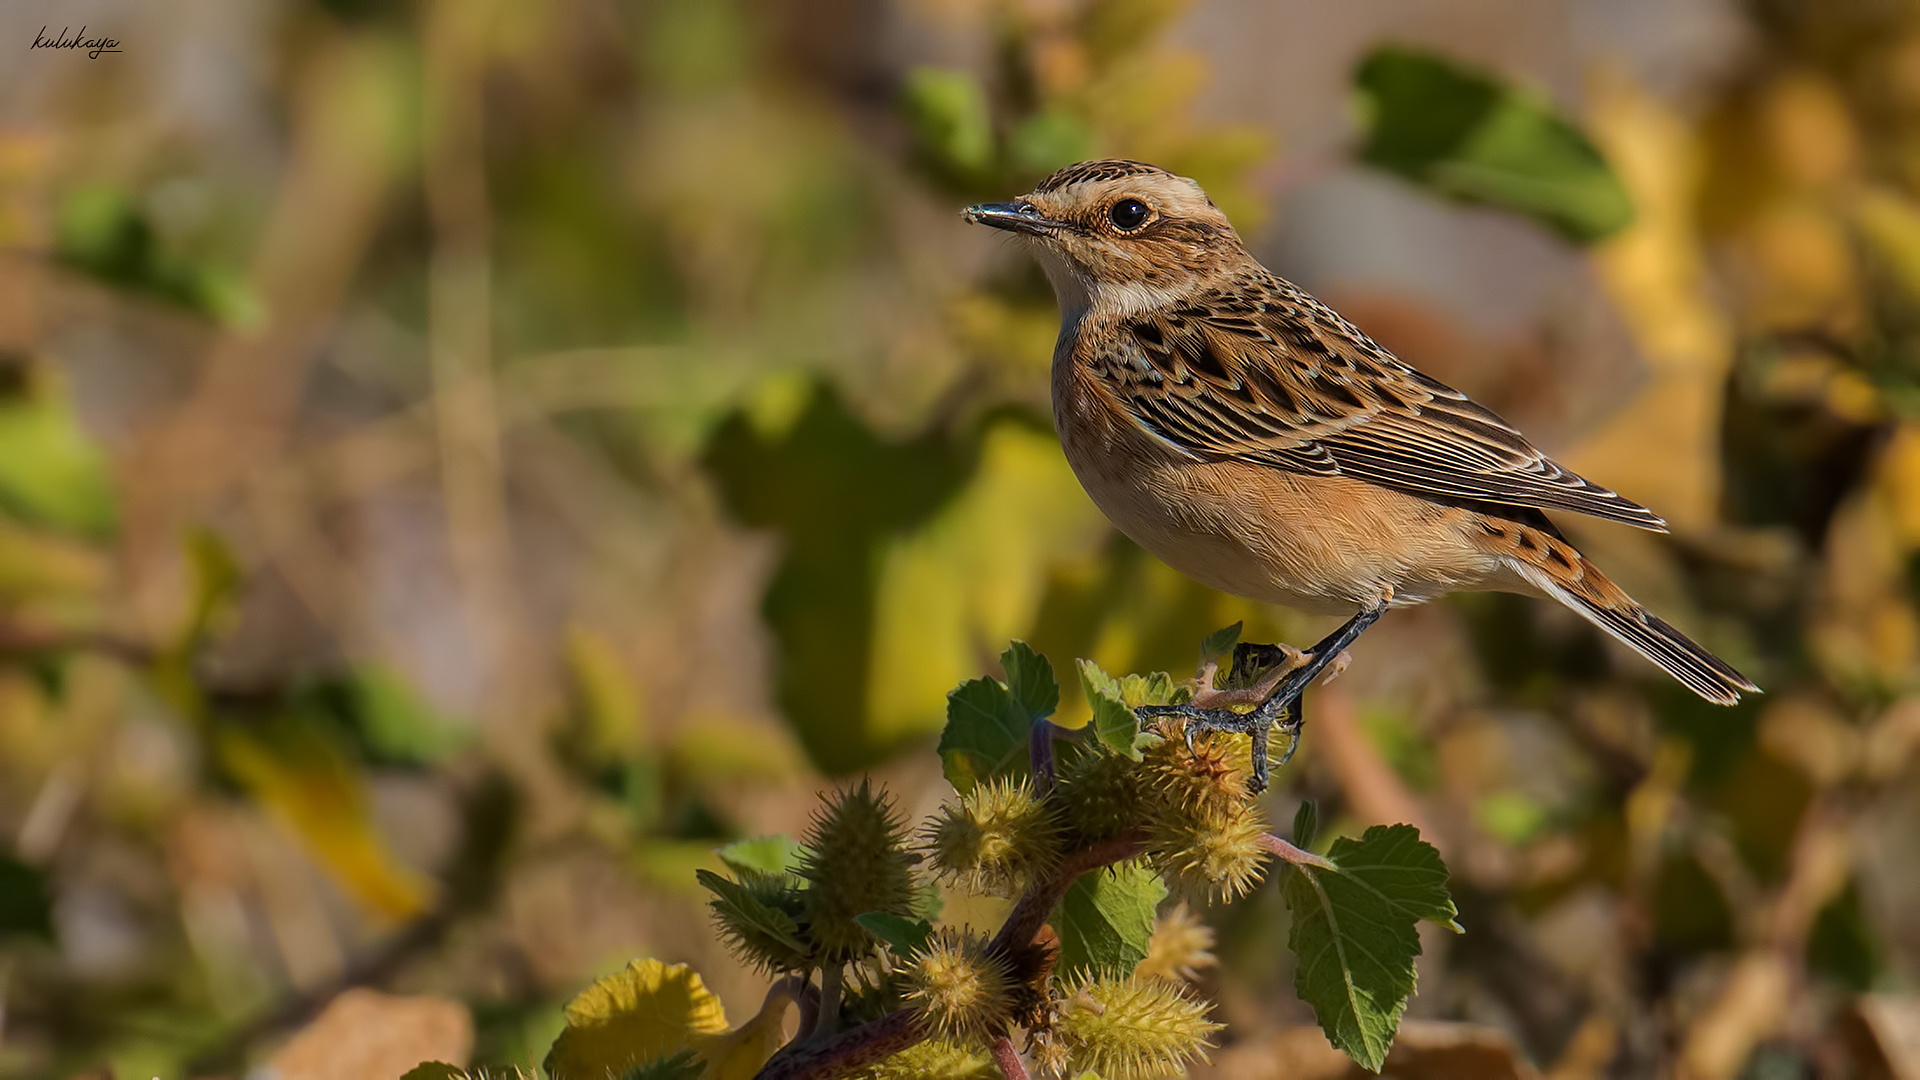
[(1252, 438)]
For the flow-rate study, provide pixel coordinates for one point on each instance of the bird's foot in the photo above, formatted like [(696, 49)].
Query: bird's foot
[(1276, 708), (1271, 678)]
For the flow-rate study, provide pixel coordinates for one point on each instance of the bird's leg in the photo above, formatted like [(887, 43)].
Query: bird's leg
[(1282, 700)]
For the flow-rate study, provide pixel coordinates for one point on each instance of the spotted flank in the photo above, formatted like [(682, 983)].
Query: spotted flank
[(1258, 370)]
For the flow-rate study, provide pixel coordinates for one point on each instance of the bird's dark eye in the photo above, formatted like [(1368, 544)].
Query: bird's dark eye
[(1128, 214)]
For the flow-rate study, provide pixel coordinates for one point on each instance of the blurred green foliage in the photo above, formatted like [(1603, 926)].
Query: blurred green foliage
[(1467, 134)]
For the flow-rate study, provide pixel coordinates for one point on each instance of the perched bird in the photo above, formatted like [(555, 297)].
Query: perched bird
[(1252, 438)]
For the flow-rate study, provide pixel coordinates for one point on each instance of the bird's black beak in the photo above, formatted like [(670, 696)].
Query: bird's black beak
[(1018, 216)]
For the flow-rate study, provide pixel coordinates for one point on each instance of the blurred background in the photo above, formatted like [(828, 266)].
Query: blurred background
[(460, 461)]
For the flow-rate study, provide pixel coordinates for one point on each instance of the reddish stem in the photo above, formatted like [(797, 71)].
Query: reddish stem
[(1005, 1056), (1040, 755), (1031, 912), (848, 1050), (1298, 856)]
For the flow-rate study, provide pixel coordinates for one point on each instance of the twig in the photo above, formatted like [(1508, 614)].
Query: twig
[(1005, 1056), (1031, 912)]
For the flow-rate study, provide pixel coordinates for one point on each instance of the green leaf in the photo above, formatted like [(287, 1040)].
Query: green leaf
[(748, 910), (1468, 135), (1030, 681), (947, 111), (1106, 918), (435, 1070), (102, 233), (987, 734), (1155, 689), (903, 935), (1353, 933), (398, 724), (1306, 825), (1114, 724), (52, 473), (1045, 141), (26, 901), (1218, 645), (776, 854)]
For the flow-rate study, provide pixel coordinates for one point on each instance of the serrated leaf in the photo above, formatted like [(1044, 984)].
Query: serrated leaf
[(776, 854), (1106, 919), (1155, 689), (634, 1018), (1354, 933), (1030, 681), (986, 736), (1114, 724), (903, 935), (1219, 644), (750, 910), (1466, 134)]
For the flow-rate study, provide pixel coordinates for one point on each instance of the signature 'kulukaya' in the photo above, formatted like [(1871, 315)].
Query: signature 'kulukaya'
[(1251, 437)]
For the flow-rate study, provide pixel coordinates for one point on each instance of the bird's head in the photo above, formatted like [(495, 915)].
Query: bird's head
[(1120, 234)]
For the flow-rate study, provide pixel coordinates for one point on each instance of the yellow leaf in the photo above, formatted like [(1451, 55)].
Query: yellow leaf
[(974, 577), (309, 786), (739, 1054), (647, 1011)]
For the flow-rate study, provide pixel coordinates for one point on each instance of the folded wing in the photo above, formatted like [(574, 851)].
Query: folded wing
[(1271, 375)]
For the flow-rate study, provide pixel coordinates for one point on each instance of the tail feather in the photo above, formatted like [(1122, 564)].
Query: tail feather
[(1676, 654), (1555, 568)]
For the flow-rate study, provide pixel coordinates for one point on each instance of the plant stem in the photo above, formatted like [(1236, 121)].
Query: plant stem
[(1287, 852), (1031, 912), (1040, 753), (829, 1022), (849, 1050), (1005, 1056)]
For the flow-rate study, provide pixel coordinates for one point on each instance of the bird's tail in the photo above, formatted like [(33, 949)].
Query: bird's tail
[(1551, 565)]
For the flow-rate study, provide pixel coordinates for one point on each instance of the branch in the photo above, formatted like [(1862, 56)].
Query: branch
[(1031, 912), (848, 1050)]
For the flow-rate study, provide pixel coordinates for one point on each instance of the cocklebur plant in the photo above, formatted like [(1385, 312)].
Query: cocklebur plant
[(1107, 837)]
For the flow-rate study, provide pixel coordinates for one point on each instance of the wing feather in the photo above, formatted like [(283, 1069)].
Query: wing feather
[(1264, 372)]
